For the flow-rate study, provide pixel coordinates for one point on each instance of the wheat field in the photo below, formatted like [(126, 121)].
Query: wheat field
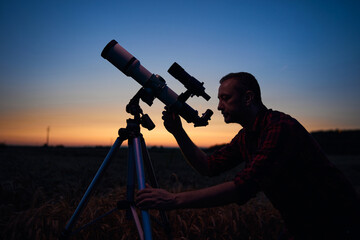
[(41, 187)]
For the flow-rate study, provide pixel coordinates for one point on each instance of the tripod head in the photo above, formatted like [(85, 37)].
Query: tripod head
[(133, 107)]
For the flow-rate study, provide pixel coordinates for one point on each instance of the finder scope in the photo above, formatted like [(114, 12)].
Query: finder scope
[(155, 86), (188, 81)]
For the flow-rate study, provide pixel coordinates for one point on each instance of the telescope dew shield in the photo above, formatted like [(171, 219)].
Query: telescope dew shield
[(154, 84), (125, 62)]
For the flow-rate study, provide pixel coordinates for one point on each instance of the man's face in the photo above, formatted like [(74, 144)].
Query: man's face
[(231, 102)]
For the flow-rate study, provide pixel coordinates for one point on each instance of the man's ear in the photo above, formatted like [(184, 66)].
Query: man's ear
[(249, 97)]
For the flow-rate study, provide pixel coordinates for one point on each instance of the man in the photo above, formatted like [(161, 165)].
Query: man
[(281, 159)]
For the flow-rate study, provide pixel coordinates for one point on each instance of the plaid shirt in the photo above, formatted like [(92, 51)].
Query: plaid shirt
[(285, 162)]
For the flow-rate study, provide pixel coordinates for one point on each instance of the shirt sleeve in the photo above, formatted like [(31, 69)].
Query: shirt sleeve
[(226, 157), (266, 163)]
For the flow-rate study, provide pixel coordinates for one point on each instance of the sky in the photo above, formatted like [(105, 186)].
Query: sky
[(305, 55)]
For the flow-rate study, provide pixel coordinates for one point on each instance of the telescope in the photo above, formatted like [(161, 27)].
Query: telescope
[(154, 86)]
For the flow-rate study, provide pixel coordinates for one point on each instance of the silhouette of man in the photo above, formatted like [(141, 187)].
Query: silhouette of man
[(281, 158)]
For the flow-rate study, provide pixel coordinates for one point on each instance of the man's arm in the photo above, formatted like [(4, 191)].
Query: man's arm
[(218, 195), (193, 154)]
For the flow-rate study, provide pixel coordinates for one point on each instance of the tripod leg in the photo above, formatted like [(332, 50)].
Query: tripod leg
[(130, 186), (135, 148), (137, 221), (154, 183), (67, 231), (148, 165), (131, 175)]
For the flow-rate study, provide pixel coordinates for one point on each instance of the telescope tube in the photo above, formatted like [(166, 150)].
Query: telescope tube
[(131, 67)]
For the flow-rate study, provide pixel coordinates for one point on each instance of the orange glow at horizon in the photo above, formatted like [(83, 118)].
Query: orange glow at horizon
[(84, 136), (98, 126), (81, 127)]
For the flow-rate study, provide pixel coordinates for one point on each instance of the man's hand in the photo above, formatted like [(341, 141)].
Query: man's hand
[(172, 121), (155, 198), (218, 195)]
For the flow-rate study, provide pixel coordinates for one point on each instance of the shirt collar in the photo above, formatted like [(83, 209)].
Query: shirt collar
[(259, 121)]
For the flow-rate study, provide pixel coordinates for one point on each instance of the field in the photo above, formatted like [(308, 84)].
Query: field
[(41, 187)]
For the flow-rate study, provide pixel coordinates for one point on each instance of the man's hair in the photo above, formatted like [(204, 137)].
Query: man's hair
[(247, 82)]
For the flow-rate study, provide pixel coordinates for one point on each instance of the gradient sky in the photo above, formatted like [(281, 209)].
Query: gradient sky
[(305, 55)]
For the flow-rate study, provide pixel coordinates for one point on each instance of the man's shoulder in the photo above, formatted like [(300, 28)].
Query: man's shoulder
[(277, 113), (275, 117)]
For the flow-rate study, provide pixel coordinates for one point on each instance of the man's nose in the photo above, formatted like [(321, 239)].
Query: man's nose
[(220, 106)]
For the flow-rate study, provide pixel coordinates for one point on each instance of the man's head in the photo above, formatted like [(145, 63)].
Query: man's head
[(239, 97)]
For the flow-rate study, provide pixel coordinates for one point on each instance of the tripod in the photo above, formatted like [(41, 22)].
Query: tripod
[(138, 158)]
